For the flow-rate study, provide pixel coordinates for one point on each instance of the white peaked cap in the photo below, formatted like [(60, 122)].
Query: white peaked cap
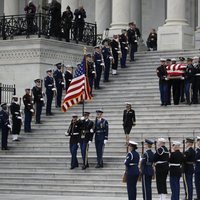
[(133, 142), (161, 140)]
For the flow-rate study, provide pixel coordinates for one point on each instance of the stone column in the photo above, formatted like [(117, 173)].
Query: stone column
[(176, 34), (135, 12), (72, 3), (197, 33), (120, 16), (11, 7), (102, 14)]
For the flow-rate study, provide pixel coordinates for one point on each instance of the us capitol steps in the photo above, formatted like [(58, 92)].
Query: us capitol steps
[(39, 164)]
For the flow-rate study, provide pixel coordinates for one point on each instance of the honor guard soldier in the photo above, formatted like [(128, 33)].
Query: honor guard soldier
[(196, 85), (124, 47), (4, 125), (74, 133), (189, 80), (68, 77), (16, 118), (197, 169), (129, 120), (38, 100), (188, 169), (162, 75), (90, 72), (169, 82), (175, 163), (50, 91), (131, 162), (115, 52), (107, 57), (161, 159), (87, 132), (28, 110), (147, 170), (99, 65), (101, 136), (59, 80)]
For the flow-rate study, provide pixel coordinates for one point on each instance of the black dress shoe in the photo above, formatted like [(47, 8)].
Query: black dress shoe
[(84, 167), (97, 166)]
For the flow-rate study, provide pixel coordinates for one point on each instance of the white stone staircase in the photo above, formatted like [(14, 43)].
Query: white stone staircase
[(39, 164)]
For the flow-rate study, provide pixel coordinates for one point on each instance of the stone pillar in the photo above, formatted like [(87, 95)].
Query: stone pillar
[(197, 33), (120, 16), (175, 34), (135, 12), (72, 3), (11, 7), (103, 20)]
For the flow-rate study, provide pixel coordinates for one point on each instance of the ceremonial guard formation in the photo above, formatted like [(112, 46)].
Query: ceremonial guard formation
[(16, 118)]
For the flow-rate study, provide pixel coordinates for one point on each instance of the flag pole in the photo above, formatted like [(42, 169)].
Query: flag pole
[(83, 104)]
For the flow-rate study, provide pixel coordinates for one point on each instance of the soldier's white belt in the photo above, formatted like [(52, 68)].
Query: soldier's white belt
[(161, 162), (174, 165), (198, 160), (197, 74), (75, 133), (133, 164)]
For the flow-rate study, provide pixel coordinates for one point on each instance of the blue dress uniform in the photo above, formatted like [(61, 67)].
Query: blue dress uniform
[(49, 84), (5, 126), (38, 101), (59, 80), (131, 163), (147, 172), (124, 48), (115, 52), (161, 159), (74, 133), (197, 170), (162, 75), (98, 67), (28, 111), (87, 132), (101, 134), (176, 160), (188, 170), (106, 57)]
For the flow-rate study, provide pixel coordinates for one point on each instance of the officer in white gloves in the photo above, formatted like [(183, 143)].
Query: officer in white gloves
[(101, 136)]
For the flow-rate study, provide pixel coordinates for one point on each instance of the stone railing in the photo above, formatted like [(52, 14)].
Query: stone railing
[(40, 25)]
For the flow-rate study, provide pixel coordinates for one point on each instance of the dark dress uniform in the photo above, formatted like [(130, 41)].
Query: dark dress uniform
[(30, 15), (176, 160), (124, 49), (87, 132), (189, 80), (147, 173), (16, 118), (128, 120), (5, 126), (131, 163), (67, 23), (162, 74), (161, 159), (59, 80), (188, 171), (91, 74), (55, 13), (79, 24), (106, 57), (68, 78), (39, 102), (74, 133), (28, 112), (132, 40), (49, 84), (197, 172), (115, 49), (101, 134), (196, 88), (98, 68)]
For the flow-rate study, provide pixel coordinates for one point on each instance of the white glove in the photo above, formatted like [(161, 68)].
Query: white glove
[(82, 118), (19, 117), (91, 130), (89, 142), (9, 126), (102, 64), (53, 89), (111, 57), (41, 99), (32, 110), (66, 134), (166, 78), (105, 141), (63, 83)]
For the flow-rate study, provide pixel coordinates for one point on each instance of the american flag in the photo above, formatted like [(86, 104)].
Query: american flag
[(79, 88)]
